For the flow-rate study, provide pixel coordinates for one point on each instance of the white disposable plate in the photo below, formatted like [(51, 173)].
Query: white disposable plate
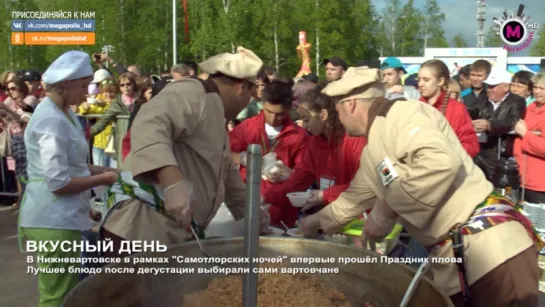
[(273, 231), (294, 232)]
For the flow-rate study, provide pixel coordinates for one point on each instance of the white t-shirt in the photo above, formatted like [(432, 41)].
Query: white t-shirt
[(272, 132)]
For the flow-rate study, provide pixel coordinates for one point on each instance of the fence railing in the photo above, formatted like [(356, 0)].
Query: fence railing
[(121, 124)]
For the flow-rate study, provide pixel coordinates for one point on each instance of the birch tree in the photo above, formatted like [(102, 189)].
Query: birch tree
[(458, 41), (390, 17), (409, 36), (434, 35)]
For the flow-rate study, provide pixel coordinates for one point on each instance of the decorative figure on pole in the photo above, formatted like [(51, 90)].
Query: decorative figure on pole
[(303, 53)]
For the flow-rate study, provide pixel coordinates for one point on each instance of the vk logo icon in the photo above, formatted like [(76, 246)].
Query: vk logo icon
[(17, 25)]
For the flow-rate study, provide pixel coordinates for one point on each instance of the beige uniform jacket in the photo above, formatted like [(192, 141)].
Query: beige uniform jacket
[(182, 126), (437, 186)]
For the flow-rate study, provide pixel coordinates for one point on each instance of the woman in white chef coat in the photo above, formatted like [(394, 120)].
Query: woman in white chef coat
[(55, 207)]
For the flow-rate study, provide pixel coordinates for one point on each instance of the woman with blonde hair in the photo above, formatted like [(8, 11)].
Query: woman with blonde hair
[(455, 90), (56, 206), (529, 152), (5, 77)]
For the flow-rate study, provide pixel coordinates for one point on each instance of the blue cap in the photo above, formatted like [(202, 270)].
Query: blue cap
[(392, 62)]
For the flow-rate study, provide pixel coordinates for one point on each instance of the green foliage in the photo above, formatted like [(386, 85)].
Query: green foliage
[(458, 41), (141, 30), (433, 25), (492, 39), (410, 26), (538, 46)]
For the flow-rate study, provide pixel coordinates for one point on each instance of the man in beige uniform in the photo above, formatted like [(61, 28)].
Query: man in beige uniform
[(179, 144), (415, 170)]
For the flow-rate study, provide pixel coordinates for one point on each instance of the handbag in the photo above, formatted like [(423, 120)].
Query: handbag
[(5, 142), (110, 149)]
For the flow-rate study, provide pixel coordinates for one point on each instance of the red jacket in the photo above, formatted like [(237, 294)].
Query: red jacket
[(289, 145), (460, 121), (532, 146), (3, 96), (330, 167)]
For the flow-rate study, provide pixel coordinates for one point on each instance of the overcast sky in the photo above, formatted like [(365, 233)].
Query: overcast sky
[(461, 15)]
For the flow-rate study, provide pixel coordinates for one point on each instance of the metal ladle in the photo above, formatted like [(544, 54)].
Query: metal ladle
[(198, 234), (414, 283)]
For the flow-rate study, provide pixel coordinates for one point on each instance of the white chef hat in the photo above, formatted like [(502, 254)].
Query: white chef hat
[(71, 65)]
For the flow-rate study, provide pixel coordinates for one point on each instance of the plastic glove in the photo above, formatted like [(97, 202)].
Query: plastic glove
[(277, 173), (310, 226), (178, 200), (243, 158), (376, 228), (316, 199)]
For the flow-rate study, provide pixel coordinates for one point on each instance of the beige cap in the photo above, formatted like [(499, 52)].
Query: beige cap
[(244, 64), (356, 83)]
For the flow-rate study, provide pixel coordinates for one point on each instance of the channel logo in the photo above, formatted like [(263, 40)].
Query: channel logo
[(516, 31)]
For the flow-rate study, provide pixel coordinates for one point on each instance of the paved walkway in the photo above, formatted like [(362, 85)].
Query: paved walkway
[(17, 289)]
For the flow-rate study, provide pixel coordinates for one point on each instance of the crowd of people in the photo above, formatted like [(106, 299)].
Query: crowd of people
[(188, 134)]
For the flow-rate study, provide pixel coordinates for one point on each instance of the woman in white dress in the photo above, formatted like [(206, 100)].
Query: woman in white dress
[(55, 207)]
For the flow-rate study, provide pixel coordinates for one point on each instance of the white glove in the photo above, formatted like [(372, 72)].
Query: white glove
[(243, 158), (178, 200), (316, 199)]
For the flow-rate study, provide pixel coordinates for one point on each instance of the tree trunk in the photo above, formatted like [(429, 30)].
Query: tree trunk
[(122, 11), (426, 22), (393, 38), (276, 56), (166, 61), (226, 5), (317, 41)]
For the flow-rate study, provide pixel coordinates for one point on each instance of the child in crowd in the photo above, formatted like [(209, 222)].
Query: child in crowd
[(98, 105)]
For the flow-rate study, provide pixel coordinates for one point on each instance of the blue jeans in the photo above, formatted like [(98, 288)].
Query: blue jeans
[(416, 251), (100, 158)]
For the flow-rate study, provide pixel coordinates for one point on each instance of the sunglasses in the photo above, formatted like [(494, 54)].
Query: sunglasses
[(108, 82), (12, 89), (125, 84)]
